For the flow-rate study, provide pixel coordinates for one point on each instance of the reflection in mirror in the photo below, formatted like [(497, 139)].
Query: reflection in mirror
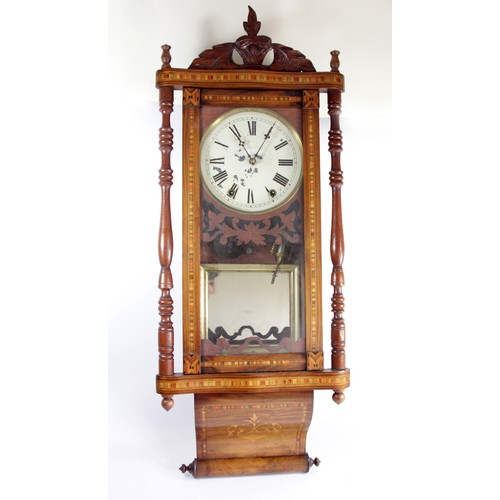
[(245, 313)]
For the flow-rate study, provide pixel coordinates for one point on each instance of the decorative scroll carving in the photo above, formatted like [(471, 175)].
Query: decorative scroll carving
[(165, 243), (253, 49), (274, 341), (279, 228), (337, 235), (273, 336)]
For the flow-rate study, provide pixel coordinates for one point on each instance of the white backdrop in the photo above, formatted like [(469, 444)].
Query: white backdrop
[(79, 205), (147, 445), (413, 423)]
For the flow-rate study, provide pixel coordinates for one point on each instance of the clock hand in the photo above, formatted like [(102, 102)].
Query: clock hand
[(242, 144), (271, 192), (237, 134), (266, 137), (278, 255)]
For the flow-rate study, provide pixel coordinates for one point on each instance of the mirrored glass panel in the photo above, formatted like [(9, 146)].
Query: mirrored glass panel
[(250, 309)]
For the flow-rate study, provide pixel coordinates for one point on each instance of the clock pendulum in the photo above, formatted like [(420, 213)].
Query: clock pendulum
[(252, 268)]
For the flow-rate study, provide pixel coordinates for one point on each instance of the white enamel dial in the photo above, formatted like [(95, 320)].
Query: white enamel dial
[(251, 160)]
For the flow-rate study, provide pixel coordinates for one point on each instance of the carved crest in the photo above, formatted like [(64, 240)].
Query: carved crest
[(253, 49)]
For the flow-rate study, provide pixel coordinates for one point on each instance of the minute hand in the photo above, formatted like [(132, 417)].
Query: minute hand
[(266, 137)]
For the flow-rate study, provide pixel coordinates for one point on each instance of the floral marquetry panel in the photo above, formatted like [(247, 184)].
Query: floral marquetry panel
[(236, 425)]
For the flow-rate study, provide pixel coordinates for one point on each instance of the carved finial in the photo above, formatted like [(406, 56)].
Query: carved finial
[(314, 461), (252, 26), (165, 56), (335, 62), (253, 50), (338, 397), (188, 468), (167, 402)]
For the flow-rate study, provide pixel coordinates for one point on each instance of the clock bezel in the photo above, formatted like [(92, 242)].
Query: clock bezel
[(300, 157)]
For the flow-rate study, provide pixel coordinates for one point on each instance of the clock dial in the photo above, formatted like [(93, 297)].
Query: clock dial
[(251, 160)]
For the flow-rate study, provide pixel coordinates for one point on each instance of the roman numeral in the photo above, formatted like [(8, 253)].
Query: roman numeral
[(235, 131), (218, 161), (280, 179), (250, 196), (252, 127), (233, 191), (220, 177), (285, 163), (220, 144), (281, 145)]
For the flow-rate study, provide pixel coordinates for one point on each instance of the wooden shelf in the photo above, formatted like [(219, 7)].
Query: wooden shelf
[(179, 78), (336, 380)]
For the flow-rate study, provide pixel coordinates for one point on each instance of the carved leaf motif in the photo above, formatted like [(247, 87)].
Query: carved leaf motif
[(288, 59), (252, 26), (214, 220), (252, 232), (219, 225), (288, 221), (252, 49), (218, 57)]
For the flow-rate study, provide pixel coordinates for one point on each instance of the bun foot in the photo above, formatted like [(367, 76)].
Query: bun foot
[(314, 461)]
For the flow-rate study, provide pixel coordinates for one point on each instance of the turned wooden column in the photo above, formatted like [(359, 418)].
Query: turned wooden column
[(337, 234), (165, 239)]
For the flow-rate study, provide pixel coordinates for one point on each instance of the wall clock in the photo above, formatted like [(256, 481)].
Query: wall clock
[(252, 266)]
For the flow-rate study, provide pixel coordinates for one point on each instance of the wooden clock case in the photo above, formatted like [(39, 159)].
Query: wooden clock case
[(252, 413)]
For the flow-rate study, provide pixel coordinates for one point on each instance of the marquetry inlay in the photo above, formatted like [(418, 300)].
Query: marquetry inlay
[(249, 79), (245, 363), (199, 384), (252, 100), (191, 100), (312, 231), (311, 99)]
